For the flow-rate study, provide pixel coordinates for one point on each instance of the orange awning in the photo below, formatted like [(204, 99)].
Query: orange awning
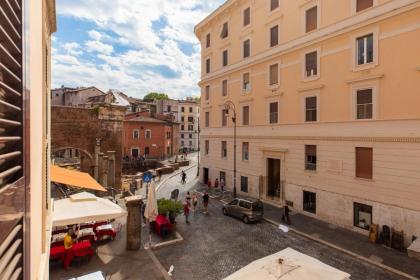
[(74, 178)]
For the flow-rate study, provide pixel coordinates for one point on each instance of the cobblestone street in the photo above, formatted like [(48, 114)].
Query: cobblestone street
[(215, 246)]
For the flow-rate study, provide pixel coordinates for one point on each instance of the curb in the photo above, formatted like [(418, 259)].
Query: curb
[(159, 265), (178, 239), (380, 265)]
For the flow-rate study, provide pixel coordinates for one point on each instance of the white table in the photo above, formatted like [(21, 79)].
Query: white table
[(92, 276), (104, 227)]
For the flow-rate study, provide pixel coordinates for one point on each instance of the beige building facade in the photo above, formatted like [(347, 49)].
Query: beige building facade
[(326, 95)]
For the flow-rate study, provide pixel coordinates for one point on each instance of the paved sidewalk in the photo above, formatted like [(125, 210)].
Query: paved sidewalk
[(347, 240)]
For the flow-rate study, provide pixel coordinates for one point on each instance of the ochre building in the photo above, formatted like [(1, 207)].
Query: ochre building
[(327, 98)]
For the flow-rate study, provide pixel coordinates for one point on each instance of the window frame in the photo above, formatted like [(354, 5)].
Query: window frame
[(224, 118), (306, 18), (207, 119), (269, 112), (222, 26), (309, 165), (317, 106), (304, 205), (307, 7), (354, 50), (206, 147), (208, 40), (246, 90), (244, 25), (354, 7), (207, 91), (243, 48), (270, 10), (145, 134), (222, 87), (270, 45), (138, 134), (249, 114), (306, 78), (208, 65), (134, 148), (245, 153), (225, 63), (243, 179), (364, 207), (223, 149), (374, 86), (269, 85)]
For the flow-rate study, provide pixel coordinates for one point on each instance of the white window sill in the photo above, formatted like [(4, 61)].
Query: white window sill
[(366, 66), (311, 78), (273, 87)]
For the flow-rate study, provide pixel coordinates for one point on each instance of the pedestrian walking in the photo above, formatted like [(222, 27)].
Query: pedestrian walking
[(188, 197), (186, 211), (209, 184), (159, 174), (68, 245), (183, 177), (194, 201), (216, 185), (206, 202), (286, 217)]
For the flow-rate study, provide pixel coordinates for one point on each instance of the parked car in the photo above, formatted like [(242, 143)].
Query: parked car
[(246, 209)]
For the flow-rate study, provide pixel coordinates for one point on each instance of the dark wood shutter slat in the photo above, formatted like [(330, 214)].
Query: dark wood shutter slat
[(9, 74), (10, 171), (10, 155), (10, 24), (7, 107), (9, 89), (7, 40), (13, 13)]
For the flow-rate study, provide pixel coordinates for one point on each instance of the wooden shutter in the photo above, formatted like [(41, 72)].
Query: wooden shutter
[(225, 57), (208, 40), (274, 74), (12, 186), (364, 163), (247, 48), (247, 16), (311, 61), (225, 30), (274, 36), (208, 65), (311, 19), (245, 115), (363, 4), (224, 87), (274, 4)]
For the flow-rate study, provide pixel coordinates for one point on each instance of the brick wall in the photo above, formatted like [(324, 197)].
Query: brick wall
[(79, 128)]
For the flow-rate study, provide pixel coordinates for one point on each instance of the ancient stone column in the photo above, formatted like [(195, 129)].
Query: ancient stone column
[(133, 204), (111, 168), (96, 158), (100, 167), (104, 174)]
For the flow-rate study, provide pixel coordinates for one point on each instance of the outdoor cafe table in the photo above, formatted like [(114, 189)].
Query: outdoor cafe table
[(83, 234), (105, 230), (80, 249)]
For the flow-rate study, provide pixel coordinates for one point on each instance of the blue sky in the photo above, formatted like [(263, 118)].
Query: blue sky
[(136, 46)]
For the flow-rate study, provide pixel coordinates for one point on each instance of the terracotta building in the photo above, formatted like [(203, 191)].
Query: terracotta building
[(150, 137), (326, 97)]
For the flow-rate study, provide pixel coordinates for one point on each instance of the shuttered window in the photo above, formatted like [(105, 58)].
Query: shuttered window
[(311, 19), (364, 104), (274, 4), (247, 48), (364, 163), (207, 92), (274, 74), (274, 36), (207, 119), (208, 66), (208, 40), (245, 115), (225, 31), (224, 117), (224, 88), (311, 61), (310, 157), (247, 16), (274, 112), (311, 109), (225, 57), (12, 187), (363, 5), (246, 84)]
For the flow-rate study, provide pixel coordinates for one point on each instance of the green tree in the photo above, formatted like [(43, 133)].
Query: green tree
[(156, 95)]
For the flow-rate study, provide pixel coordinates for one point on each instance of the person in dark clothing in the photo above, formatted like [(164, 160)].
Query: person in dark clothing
[(183, 177), (206, 202), (286, 216)]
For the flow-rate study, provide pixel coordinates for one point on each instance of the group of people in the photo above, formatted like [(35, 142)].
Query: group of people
[(192, 201), (216, 184)]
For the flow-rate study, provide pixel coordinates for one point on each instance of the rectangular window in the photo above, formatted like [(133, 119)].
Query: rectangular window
[(244, 184), (310, 157), (246, 86), (311, 109), (190, 143), (274, 112), (224, 88), (207, 92), (169, 108), (309, 202), (225, 57), (274, 4), (190, 127), (274, 74), (274, 36), (364, 163), (182, 109), (224, 149), (247, 16), (245, 115), (311, 19), (362, 215), (190, 136), (245, 151), (311, 64), (182, 143), (146, 150), (207, 119), (208, 40), (206, 147), (136, 134), (208, 65), (364, 49), (168, 135), (182, 119), (148, 134), (135, 152), (191, 119), (364, 104), (363, 5), (247, 48), (225, 31), (182, 135), (224, 117), (191, 109), (182, 127)]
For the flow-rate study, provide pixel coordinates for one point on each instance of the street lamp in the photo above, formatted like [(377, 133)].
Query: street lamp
[(199, 149), (230, 106)]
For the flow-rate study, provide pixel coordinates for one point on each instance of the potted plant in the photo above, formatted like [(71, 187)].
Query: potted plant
[(169, 208)]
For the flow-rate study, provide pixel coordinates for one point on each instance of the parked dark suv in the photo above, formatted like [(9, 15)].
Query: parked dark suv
[(246, 209)]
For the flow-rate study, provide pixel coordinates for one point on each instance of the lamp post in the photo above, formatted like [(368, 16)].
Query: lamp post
[(230, 106), (199, 148)]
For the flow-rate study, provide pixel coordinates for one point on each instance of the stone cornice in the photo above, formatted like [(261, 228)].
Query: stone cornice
[(320, 138)]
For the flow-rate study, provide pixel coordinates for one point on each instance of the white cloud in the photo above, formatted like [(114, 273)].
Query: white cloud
[(97, 46), (130, 24)]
